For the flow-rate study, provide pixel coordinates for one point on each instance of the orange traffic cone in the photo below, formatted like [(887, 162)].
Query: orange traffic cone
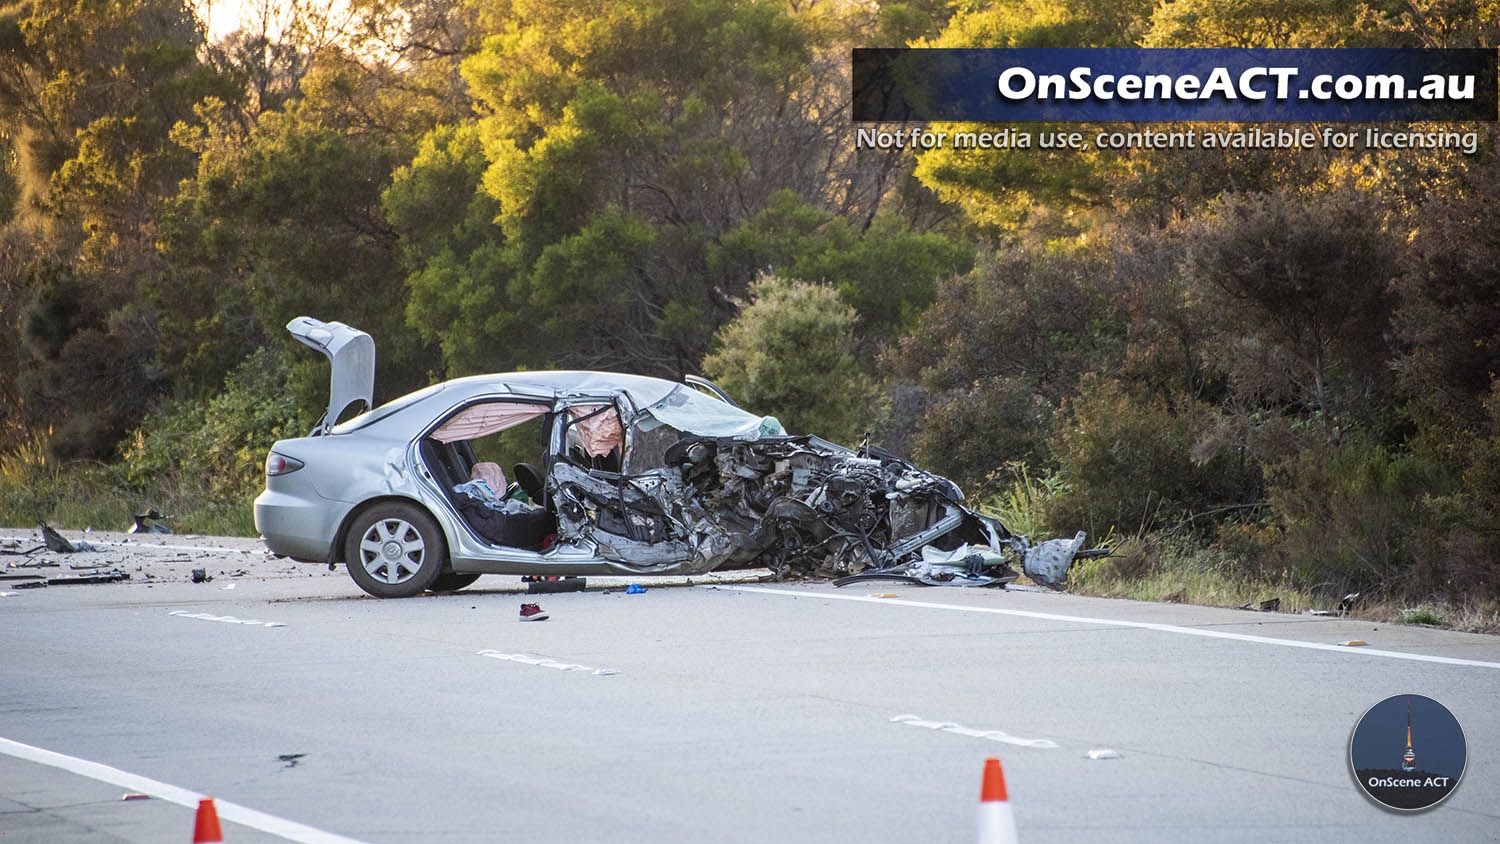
[(206, 829), (997, 823)]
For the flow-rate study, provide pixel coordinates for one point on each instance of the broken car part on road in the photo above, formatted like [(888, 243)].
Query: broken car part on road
[(150, 522), (58, 543), (632, 475)]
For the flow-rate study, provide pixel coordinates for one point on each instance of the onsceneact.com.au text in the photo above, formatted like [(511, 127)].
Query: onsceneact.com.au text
[(1254, 83)]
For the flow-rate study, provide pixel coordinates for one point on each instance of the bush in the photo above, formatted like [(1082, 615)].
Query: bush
[(1179, 570), (1125, 462), (790, 354), (1021, 500), (201, 463), (217, 450), (971, 433), (1354, 517), (1424, 615)]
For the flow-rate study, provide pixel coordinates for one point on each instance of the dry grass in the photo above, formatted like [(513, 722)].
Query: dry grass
[(1144, 569), (84, 494), (1467, 615)]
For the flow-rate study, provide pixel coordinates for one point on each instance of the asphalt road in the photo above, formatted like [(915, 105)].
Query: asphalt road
[(705, 713)]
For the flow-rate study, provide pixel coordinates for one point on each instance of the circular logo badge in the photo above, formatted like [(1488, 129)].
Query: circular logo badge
[(1408, 753)]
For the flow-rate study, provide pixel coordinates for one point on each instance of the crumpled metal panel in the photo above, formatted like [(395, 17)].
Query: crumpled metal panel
[(1047, 562), (800, 507)]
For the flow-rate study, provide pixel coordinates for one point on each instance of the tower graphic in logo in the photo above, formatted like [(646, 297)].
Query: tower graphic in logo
[(1409, 758), (1394, 780)]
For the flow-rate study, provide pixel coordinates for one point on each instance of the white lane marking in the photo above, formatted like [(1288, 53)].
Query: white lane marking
[(1109, 622), (150, 545), (961, 730), (545, 662), (233, 812), (227, 619), (8, 594)]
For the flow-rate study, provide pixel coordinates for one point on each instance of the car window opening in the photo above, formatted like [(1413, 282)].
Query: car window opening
[(594, 438), (468, 454)]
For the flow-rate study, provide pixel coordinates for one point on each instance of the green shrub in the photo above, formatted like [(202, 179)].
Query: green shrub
[(201, 463), (1156, 567), (1354, 517), (1021, 500), (1424, 615), (1250, 546), (218, 449), (790, 354), (970, 434), (1125, 462)]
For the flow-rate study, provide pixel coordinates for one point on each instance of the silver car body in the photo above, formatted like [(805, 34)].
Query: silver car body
[(755, 497)]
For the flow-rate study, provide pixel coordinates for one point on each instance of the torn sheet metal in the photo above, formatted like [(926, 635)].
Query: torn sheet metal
[(60, 544), (1047, 562), (980, 566), (150, 521), (799, 506)]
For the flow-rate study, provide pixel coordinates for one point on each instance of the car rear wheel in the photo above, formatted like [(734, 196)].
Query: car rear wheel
[(395, 550), (452, 581)]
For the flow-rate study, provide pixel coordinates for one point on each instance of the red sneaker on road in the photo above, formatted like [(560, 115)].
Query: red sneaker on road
[(532, 612)]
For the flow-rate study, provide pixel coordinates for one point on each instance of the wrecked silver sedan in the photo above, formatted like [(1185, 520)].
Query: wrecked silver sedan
[(609, 474)]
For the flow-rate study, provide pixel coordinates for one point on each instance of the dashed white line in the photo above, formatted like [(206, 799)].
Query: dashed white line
[(1111, 622), (232, 812), (227, 619), (961, 730), (545, 662)]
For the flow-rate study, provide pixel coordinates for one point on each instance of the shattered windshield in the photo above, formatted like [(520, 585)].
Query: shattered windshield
[(692, 412), (687, 411)]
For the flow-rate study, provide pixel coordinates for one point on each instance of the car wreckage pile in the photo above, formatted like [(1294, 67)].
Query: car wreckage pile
[(801, 507)]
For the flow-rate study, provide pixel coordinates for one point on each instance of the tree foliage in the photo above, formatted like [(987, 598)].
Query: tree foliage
[(998, 352), (1297, 287), (790, 354)]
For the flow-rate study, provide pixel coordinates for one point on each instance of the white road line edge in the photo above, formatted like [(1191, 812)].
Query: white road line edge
[(227, 619), (961, 730), (1110, 622), (232, 812), (147, 546), (546, 662)]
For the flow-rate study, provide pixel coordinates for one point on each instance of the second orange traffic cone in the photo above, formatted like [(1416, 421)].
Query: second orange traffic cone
[(997, 823), (206, 829)]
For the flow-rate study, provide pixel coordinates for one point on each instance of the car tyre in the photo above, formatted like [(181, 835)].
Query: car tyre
[(452, 581), (395, 550)]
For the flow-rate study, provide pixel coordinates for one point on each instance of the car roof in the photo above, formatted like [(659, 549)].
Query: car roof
[(642, 390), (416, 408)]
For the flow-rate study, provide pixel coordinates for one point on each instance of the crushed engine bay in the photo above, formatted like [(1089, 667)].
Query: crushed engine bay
[(801, 507)]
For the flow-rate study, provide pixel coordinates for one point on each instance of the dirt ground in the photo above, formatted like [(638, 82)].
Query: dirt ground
[(146, 558), (172, 558)]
